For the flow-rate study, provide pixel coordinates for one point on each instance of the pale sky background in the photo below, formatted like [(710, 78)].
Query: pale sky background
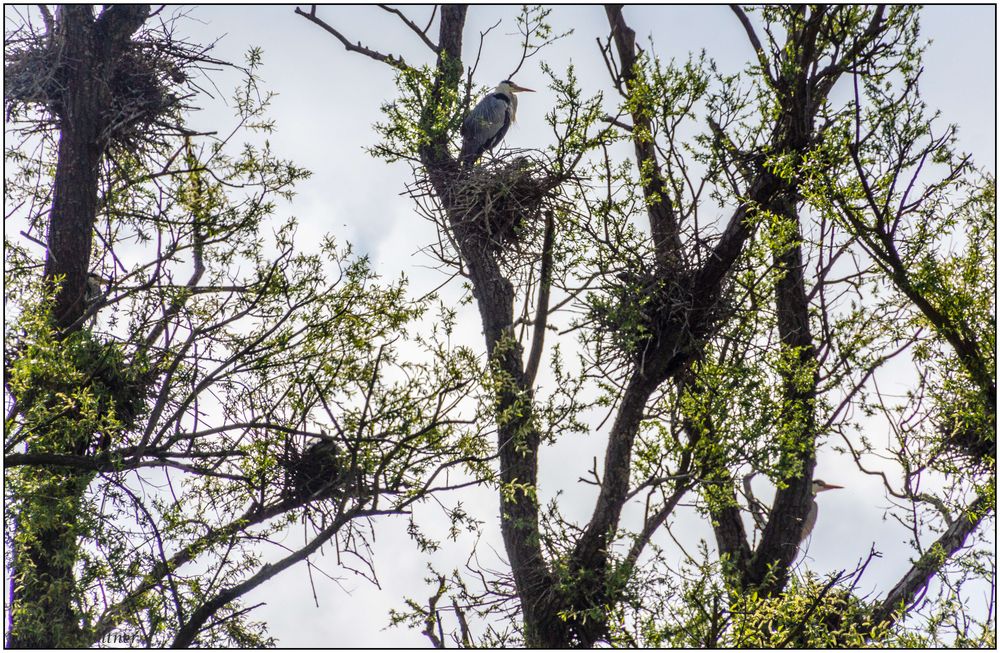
[(327, 100)]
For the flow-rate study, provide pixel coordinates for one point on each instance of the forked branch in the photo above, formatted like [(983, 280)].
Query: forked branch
[(422, 33), (394, 61)]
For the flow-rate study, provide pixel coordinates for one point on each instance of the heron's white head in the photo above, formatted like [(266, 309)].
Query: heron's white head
[(509, 88), (822, 486)]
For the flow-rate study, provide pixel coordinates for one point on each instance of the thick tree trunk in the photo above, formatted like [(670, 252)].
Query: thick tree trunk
[(43, 610), (90, 50), (779, 545), (74, 196)]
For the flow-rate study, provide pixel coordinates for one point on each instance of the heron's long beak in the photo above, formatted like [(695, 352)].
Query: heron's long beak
[(520, 89), (830, 486)]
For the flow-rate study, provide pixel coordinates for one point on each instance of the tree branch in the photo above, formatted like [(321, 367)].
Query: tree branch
[(662, 220), (422, 33), (899, 600), (114, 614), (542, 311), (395, 62), (185, 636), (826, 78), (765, 65), (653, 523)]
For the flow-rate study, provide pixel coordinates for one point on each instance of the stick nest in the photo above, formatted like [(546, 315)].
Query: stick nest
[(316, 471), (146, 86), (497, 199), (643, 308), (499, 204)]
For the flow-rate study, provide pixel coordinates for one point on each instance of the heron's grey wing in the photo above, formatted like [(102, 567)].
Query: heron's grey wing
[(810, 521), (485, 125)]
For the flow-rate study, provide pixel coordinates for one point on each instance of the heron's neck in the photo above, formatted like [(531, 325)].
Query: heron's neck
[(513, 107)]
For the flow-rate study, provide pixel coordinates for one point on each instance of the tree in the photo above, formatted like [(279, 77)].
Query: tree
[(732, 337), (183, 381)]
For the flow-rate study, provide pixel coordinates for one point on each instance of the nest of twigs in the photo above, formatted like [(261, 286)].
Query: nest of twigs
[(498, 204), (315, 472), (642, 308), (499, 197), (146, 86)]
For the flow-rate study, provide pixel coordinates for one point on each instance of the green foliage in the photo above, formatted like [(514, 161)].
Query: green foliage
[(74, 396), (535, 31), (411, 112), (810, 613), (692, 614), (696, 610), (935, 242), (959, 285), (73, 389), (573, 118)]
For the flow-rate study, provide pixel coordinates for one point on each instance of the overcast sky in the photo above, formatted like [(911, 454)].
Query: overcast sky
[(327, 100)]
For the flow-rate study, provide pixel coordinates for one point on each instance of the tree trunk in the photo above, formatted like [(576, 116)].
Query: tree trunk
[(74, 195), (46, 544), (779, 545)]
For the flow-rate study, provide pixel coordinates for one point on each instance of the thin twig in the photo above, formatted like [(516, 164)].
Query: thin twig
[(422, 33)]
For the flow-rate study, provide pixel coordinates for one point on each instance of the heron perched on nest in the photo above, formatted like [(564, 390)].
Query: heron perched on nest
[(488, 122)]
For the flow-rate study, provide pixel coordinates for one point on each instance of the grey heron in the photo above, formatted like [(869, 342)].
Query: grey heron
[(488, 122), (817, 487)]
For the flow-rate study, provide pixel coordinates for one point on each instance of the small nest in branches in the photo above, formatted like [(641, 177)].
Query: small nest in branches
[(315, 472), (146, 89), (499, 203)]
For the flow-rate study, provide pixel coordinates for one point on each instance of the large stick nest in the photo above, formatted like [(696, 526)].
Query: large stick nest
[(147, 87), (499, 204), (644, 307), (496, 199)]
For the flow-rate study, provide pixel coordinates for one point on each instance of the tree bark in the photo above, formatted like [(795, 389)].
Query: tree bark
[(43, 614)]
